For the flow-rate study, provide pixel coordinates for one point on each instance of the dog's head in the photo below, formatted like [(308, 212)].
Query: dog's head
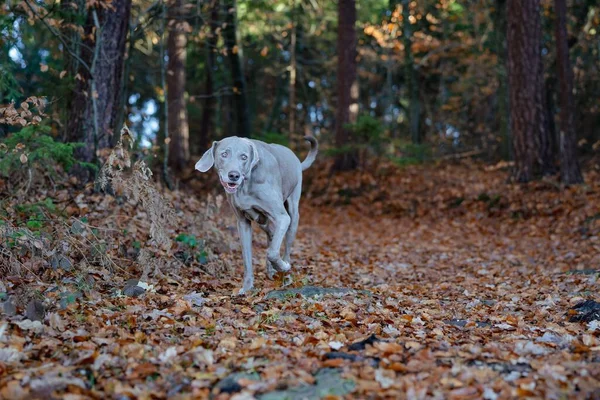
[(234, 158)]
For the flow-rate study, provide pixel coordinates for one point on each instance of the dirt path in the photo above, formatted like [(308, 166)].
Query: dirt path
[(477, 306), (465, 301), (465, 308)]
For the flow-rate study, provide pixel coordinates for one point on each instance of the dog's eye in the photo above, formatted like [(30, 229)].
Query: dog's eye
[(244, 157), (224, 154)]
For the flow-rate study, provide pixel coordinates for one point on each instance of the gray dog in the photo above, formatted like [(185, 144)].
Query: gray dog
[(263, 184)]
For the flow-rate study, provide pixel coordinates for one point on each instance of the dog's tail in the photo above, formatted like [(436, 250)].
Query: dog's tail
[(312, 154)]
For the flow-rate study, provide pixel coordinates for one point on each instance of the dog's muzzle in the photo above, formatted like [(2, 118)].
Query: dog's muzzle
[(230, 187)]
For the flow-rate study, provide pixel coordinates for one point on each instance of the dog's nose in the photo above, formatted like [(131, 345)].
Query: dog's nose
[(234, 176)]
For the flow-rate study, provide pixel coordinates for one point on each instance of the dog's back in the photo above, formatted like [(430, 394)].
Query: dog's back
[(288, 165)]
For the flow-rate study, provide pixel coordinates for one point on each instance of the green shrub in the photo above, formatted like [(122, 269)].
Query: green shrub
[(367, 133), (9, 87), (347, 148), (411, 154), (32, 146), (192, 248), (33, 214)]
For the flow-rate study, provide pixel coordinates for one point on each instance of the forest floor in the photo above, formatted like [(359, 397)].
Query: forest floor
[(424, 282)]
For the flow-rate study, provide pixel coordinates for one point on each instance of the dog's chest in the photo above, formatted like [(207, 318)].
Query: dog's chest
[(250, 209), (242, 203)]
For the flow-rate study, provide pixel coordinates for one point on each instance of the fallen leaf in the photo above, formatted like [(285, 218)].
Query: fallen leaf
[(168, 355), (336, 345), (228, 343), (333, 362), (385, 378), (28, 324)]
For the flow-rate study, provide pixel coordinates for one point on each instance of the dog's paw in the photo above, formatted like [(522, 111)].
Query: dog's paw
[(246, 289), (284, 266)]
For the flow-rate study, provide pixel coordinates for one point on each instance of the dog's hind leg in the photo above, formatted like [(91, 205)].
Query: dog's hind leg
[(292, 205)]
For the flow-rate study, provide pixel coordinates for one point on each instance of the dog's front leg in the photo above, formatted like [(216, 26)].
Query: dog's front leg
[(269, 231), (281, 220), (245, 231)]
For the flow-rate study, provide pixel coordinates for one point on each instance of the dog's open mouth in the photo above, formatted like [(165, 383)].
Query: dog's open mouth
[(230, 187)]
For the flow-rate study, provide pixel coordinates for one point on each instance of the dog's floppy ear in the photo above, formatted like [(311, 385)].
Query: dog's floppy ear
[(208, 159), (255, 157)]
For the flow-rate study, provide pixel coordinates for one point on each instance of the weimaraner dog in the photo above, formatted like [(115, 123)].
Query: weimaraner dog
[(263, 184)]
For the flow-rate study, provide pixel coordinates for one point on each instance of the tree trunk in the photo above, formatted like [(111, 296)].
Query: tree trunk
[(550, 87), (503, 101), (179, 152), (414, 106), (234, 53), (97, 96), (293, 70), (71, 10), (525, 78), (544, 138), (347, 159), (125, 81), (209, 102), (569, 165), (276, 107), (388, 99), (227, 116), (165, 138)]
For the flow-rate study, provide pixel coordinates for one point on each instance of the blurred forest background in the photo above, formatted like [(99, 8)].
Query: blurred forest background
[(410, 81)]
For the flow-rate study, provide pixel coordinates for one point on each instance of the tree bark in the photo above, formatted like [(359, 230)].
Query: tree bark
[(276, 107), (414, 106), (544, 138), (293, 71), (97, 95), (503, 101), (347, 159), (179, 154), (388, 100), (70, 11), (550, 87), (570, 172), (531, 142), (234, 53), (208, 112)]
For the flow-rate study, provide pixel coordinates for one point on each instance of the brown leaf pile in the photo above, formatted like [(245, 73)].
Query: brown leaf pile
[(459, 287)]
